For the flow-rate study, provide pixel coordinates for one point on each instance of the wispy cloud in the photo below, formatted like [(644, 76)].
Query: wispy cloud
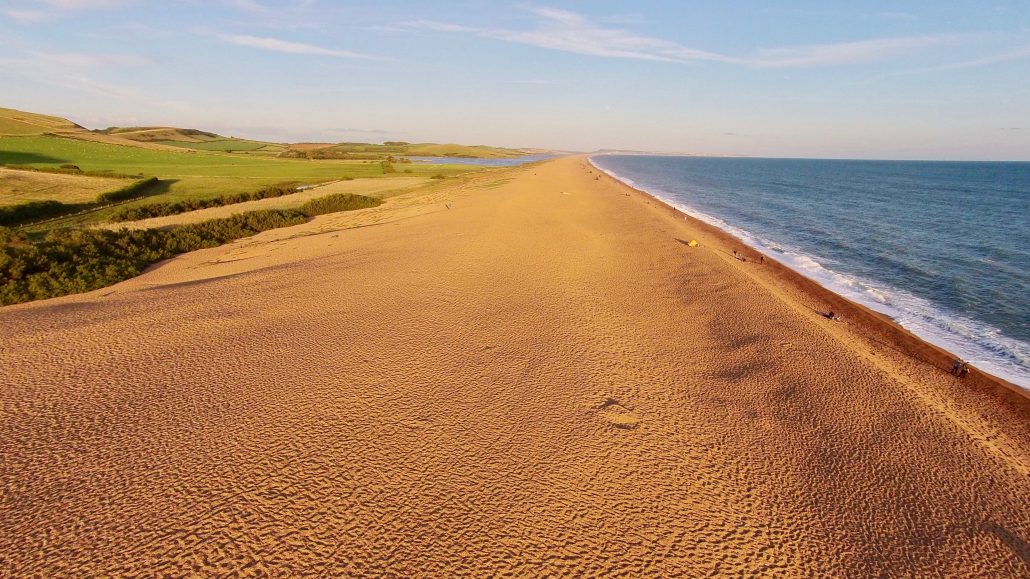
[(288, 47), (571, 32), (77, 72), (43, 10)]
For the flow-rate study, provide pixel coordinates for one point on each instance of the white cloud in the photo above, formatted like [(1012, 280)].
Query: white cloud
[(570, 32), (285, 46)]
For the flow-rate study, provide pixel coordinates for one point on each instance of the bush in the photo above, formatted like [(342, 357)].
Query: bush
[(128, 192), (338, 202), (70, 261), (176, 207), (22, 213), (78, 260)]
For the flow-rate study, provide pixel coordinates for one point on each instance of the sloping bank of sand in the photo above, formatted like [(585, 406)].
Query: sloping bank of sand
[(541, 380)]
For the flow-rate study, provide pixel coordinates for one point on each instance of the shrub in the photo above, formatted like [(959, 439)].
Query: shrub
[(338, 202), (128, 192), (78, 260), (22, 213), (176, 207)]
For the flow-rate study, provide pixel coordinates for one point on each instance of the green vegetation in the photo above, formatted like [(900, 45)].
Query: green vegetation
[(128, 192), (94, 156), (188, 174), (339, 202), (13, 215), (24, 213), (174, 208), (78, 260), (55, 251)]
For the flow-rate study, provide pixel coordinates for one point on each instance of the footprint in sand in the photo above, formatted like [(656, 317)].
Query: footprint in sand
[(617, 415)]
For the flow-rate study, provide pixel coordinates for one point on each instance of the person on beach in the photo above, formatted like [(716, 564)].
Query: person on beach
[(964, 371), (831, 315), (956, 367)]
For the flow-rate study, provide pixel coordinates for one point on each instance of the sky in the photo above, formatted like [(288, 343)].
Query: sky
[(934, 79)]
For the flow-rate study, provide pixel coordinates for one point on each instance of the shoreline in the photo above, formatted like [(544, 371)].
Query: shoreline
[(520, 372), (877, 325)]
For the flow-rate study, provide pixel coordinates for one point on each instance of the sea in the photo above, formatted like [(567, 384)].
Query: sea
[(943, 248)]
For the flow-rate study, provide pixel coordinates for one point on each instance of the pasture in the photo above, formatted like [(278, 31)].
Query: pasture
[(189, 174)]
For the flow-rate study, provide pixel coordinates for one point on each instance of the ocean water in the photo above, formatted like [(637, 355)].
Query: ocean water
[(941, 247), (482, 162)]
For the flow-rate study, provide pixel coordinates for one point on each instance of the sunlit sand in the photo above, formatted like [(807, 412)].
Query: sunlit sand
[(545, 378)]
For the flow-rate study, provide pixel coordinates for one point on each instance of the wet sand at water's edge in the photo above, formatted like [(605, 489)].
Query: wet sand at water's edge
[(544, 379)]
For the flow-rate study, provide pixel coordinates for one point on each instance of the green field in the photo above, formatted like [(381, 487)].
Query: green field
[(48, 151), (192, 174)]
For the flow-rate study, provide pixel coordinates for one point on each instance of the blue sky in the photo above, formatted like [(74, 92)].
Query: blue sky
[(905, 80)]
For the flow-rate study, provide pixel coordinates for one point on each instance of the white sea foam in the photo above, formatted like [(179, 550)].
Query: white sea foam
[(979, 343)]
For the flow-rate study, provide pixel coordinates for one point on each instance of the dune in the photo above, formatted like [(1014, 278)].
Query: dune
[(519, 372)]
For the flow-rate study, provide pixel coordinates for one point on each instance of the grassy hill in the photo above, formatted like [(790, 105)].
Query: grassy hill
[(14, 122), (149, 134)]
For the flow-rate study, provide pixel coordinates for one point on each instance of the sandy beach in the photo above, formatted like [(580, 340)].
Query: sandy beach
[(523, 372)]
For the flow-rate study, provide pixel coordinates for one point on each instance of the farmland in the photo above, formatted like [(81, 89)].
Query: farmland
[(23, 186), (190, 174)]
